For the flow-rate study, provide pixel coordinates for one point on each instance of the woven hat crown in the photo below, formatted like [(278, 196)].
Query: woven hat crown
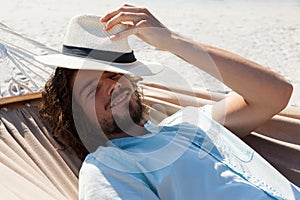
[(88, 32)]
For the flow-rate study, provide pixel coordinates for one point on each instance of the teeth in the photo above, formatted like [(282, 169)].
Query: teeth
[(119, 100)]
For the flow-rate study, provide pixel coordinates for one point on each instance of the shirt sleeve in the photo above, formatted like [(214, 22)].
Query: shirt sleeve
[(207, 110), (179, 116), (97, 181)]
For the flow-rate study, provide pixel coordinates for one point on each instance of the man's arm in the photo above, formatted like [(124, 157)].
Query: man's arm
[(258, 92)]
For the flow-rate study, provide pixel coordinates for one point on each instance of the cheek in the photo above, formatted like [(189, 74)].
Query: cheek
[(98, 103), (90, 109), (99, 108)]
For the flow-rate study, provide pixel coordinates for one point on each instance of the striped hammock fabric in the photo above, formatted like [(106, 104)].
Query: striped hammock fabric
[(20, 73)]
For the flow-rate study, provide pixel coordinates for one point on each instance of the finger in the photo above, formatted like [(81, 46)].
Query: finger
[(125, 17), (124, 8), (124, 34), (109, 15)]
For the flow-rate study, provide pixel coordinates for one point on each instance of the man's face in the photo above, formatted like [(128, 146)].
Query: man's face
[(109, 100)]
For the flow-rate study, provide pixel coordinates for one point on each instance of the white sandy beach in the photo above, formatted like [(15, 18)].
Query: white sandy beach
[(267, 33)]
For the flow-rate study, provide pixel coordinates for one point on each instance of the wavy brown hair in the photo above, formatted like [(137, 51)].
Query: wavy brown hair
[(56, 109)]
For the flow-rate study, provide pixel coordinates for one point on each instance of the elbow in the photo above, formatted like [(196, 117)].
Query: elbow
[(284, 93)]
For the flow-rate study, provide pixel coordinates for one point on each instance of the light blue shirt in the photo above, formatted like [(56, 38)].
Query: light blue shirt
[(188, 156)]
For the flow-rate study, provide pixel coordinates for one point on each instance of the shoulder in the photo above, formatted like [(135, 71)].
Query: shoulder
[(108, 174), (108, 160), (100, 172), (187, 114)]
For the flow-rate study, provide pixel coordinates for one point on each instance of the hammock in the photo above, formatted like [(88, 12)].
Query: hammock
[(30, 157), (20, 73), (33, 167)]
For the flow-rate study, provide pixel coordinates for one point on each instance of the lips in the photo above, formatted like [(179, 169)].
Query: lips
[(119, 99)]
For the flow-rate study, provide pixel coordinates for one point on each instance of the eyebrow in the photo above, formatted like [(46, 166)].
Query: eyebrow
[(86, 86)]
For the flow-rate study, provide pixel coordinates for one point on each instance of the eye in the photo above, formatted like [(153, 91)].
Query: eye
[(93, 90)]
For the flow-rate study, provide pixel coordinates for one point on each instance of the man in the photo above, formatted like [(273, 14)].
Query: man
[(96, 107)]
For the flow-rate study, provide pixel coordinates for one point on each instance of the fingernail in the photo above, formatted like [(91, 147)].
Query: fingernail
[(113, 37), (105, 27)]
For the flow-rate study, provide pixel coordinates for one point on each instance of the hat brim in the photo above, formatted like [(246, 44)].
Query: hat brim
[(139, 68)]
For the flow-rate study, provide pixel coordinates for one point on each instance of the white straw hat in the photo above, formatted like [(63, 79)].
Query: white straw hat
[(88, 46)]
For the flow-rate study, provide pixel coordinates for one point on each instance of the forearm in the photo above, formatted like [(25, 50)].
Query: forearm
[(253, 82), (261, 93)]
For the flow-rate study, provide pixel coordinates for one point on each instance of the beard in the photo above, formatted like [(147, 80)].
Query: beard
[(122, 122)]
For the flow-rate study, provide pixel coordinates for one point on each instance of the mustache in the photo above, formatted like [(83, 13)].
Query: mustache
[(116, 94)]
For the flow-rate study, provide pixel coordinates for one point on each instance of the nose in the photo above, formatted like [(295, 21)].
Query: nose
[(114, 85)]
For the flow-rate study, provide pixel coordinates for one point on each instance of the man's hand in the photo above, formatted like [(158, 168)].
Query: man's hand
[(140, 22)]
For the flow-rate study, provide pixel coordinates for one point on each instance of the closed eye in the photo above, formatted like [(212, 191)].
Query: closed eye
[(94, 90)]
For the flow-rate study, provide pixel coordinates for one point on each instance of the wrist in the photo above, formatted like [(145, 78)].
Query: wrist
[(168, 40), (176, 44)]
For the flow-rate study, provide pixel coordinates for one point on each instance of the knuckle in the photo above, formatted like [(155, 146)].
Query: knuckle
[(144, 15), (126, 5), (122, 14), (143, 9), (122, 8)]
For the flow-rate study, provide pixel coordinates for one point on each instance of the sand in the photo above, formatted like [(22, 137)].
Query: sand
[(267, 33)]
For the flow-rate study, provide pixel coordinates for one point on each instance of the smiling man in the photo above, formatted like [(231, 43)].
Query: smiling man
[(95, 109), (113, 97)]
